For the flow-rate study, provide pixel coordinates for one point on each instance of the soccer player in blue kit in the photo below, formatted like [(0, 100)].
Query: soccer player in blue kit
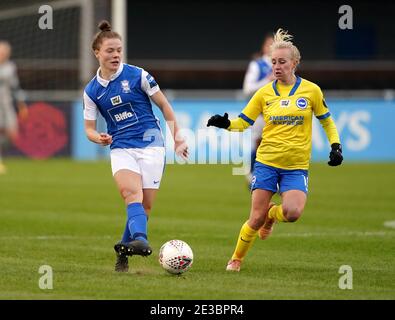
[(121, 93)]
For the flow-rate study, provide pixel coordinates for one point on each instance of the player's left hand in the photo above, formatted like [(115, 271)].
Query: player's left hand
[(181, 149), (335, 156)]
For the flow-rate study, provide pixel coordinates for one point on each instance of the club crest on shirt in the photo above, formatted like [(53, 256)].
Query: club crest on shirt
[(301, 103), (284, 103), (116, 100), (125, 86)]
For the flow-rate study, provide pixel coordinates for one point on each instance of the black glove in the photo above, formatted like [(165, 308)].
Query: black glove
[(335, 156), (219, 121)]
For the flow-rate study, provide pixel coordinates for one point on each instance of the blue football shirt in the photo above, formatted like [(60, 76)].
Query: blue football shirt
[(124, 103)]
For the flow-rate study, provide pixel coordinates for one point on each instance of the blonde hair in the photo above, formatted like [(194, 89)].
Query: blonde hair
[(282, 39)]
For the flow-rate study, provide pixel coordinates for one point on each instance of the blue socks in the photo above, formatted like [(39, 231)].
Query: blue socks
[(126, 234), (136, 226)]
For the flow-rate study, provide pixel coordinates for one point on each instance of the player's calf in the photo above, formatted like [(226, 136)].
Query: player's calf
[(266, 230)]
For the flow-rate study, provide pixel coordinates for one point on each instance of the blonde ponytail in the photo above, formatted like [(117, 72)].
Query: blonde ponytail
[(282, 36), (282, 39)]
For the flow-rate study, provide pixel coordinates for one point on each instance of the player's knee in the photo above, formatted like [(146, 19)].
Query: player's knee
[(130, 195), (257, 220), (292, 213), (255, 223)]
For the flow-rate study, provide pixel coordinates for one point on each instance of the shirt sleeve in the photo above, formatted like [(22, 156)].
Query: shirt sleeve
[(322, 113), (90, 108), (330, 129), (320, 109), (249, 114), (148, 83)]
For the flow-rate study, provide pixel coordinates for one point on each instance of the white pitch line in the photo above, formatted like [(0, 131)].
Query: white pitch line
[(390, 224)]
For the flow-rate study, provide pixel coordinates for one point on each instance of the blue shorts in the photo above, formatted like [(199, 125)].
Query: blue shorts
[(275, 179)]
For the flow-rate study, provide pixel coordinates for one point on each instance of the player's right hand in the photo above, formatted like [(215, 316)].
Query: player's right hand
[(105, 139), (219, 121)]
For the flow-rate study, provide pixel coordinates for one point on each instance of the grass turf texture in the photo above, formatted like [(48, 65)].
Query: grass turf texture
[(69, 215)]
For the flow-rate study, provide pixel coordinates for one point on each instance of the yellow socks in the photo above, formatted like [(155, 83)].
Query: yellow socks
[(246, 239), (247, 235), (276, 212)]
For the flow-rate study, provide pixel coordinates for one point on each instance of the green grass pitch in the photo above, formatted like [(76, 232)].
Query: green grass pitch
[(68, 215)]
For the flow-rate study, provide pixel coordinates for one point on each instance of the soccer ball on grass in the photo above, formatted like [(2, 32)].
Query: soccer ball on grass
[(176, 256)]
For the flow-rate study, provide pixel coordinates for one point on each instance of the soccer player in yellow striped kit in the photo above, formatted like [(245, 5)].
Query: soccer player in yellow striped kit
[(287, 104)]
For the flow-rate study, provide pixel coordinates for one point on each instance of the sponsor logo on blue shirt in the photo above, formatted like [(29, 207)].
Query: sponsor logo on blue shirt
[(116, 100), (123, 116), (151, 81)]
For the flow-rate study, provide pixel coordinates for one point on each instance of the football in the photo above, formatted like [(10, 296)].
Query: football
[(176, 256)]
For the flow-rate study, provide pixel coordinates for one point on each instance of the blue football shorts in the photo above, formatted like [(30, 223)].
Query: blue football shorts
[(278, 180)]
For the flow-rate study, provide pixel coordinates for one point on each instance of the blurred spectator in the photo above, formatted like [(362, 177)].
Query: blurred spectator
[(258, 74), (10, 92)]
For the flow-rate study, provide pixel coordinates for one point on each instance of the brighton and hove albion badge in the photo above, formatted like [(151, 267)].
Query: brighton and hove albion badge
[(125, 86), (301, 103)]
